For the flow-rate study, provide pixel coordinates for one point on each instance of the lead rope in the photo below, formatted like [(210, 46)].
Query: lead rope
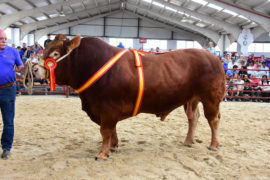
[(29, 74)]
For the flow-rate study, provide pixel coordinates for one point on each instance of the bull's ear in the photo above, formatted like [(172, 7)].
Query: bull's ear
[(75, 42)]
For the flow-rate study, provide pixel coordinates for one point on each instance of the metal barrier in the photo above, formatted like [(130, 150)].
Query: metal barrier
[(246, 94)]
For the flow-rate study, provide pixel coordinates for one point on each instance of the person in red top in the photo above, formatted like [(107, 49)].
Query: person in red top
[(255, 86)]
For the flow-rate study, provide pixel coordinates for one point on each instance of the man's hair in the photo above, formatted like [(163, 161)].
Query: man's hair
[(235, 66)]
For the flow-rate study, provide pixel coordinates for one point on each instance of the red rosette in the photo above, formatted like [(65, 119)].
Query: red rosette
[(51, 64)]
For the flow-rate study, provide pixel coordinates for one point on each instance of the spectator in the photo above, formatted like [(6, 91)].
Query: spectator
[(242, 72), (255, 86), (233, 71), (212, 49), (225, 65), (24, 47), (152, 50), (157, 49), (251, 69), (241, 59), (265, 88), (250, 59), (9, 57), (36, 48), (238, 87), (27, 53), (120, 45), (13, 45), (264, 70), (46, 42), (20, 51), (247, 88)]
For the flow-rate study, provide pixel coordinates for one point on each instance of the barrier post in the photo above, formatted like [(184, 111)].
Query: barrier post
[(67, 91)]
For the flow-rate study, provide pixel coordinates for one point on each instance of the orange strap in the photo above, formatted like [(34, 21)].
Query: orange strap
[(101, 72), (139, 66), (108, 65)]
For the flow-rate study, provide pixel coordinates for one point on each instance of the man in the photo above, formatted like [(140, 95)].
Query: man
[(212, 49), (24, 47), (9, 57), (120, 45), (46, 42)]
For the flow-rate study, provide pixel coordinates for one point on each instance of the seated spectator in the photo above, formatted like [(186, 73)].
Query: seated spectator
[(264, 69), (255, 86), (27, 53), (232, 63), (242, 72), (247, 88), (232, 72), (241, 60), (250, 59), (225, 65), (251, 69), (20, 51), (157, 49), (36, 48), (265, 86), (237, 87)]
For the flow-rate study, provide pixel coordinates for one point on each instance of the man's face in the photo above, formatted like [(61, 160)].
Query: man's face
[(24, 44), (3, 39)]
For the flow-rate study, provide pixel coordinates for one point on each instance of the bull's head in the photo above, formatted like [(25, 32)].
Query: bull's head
[(57, 48)]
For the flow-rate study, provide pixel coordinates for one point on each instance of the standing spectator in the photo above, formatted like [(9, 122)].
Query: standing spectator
[(46, 42), (157, 49), (9, 58), (24, 47), (20, 51), (120, 45), (212, 49)]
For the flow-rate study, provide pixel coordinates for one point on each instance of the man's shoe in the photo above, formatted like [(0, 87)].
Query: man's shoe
[(5, 154)]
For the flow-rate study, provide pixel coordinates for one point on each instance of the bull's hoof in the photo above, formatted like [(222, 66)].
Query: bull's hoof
[(188, 143), (101, 158), (113, 150), (212, 148)]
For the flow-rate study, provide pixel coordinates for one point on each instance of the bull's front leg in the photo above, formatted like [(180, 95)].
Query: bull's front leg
[(114, 141), (106, 134)]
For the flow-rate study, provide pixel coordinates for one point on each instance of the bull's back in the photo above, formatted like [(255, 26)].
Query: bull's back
[(173, 78)]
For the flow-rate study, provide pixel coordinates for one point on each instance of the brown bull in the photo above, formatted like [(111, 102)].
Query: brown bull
[(181, 77)]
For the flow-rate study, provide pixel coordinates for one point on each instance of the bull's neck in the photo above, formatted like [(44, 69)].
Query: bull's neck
[(83, 62)]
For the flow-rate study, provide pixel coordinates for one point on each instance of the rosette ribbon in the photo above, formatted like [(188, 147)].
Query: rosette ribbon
[(51, 64)]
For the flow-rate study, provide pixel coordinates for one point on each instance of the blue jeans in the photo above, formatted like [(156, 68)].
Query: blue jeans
[(7, 105)]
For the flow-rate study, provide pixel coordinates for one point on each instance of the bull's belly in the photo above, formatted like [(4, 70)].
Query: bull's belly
[(163, 104)]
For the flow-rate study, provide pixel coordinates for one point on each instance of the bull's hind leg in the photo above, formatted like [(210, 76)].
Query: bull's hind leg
[(212, 114), (193, 114)]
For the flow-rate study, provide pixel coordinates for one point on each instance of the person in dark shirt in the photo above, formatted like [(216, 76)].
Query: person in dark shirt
[(46, 42)]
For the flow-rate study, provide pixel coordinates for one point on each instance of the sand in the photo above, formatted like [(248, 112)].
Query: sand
[(55, 139)]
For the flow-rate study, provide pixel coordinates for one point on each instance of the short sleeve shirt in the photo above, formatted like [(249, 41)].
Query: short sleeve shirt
[(9, 57)]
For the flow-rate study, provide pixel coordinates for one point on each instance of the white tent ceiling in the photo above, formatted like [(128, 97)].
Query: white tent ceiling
[(208, 18)]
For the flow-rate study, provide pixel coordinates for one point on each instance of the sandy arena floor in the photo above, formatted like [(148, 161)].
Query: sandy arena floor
[(55, 139)]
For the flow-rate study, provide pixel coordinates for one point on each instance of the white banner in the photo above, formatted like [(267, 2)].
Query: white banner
[(245, 39)]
